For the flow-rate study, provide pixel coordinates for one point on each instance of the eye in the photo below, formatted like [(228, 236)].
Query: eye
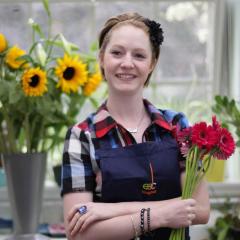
[(116, 52), (140, 56)]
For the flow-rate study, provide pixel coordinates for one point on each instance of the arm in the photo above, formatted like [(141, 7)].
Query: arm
[(113, 221)]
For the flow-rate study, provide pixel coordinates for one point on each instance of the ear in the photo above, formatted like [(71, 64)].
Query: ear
[(101, 63), (100, 59)]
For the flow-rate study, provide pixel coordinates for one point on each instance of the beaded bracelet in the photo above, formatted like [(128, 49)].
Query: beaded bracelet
[(148, 220), (142, 221)]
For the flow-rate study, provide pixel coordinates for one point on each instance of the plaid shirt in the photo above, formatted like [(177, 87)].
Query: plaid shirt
[(80, 170)]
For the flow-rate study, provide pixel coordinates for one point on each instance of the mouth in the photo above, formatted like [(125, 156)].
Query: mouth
[(125, 76)]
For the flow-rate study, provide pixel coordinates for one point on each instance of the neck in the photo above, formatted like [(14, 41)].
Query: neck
[(125, 108)]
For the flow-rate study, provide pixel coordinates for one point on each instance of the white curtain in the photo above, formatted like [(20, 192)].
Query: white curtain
[(227, 63), (227, 48)]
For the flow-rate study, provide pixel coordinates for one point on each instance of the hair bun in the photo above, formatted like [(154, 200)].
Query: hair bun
[(155, 32)]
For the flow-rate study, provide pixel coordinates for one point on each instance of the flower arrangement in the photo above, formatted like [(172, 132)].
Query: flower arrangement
[(200, 144), (42, 90)]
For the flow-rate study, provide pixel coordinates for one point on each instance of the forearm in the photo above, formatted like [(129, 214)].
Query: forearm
[(202, 203), (114, 211), (202, 214), (125, 208), (117, 228)]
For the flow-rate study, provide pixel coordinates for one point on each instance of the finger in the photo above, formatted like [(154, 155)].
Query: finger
[(191, 216), (87, 222), (76, 227), (72, 212), (73, 221), (191, 209), (191, 202), (79, 223)]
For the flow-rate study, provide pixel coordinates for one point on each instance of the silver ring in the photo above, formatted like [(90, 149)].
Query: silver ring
[(82, 210)]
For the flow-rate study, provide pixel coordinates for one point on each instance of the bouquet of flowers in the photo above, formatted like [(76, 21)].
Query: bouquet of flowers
[(42, 90), (200, 144)]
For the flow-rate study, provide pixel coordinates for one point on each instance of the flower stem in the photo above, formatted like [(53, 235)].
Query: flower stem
[(12, 147), (3, 146), (27, 132)]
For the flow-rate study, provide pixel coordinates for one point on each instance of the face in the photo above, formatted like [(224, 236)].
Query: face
[(127, 60)]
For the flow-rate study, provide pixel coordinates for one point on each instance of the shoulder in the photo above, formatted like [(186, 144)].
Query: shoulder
[(175, 118), (82, 130)]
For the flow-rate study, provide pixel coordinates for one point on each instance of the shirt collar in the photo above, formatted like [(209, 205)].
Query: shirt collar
[(103, 122)]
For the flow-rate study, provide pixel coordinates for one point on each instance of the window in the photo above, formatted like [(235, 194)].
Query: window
[(183, 79)]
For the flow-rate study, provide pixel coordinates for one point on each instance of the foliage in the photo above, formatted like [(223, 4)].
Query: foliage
[(229, 112), (227, 226), (43, 90)]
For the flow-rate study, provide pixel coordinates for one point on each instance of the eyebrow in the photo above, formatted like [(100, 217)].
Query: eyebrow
[(137, 49)]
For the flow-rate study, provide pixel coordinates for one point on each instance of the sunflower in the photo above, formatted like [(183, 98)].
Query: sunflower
[(12, 55), (34, 82), (71, 72), (92, 83), (3, 43)]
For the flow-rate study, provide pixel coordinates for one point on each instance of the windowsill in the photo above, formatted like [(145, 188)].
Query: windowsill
[(52, 202)]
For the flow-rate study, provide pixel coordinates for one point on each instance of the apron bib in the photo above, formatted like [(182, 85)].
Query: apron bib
[(146, 171)]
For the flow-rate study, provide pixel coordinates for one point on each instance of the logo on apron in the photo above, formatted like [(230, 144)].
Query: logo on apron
[(149, 188)]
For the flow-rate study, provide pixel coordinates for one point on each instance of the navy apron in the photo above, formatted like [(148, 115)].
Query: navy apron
[(126, 174)]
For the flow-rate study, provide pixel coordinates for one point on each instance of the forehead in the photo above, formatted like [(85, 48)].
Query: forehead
[(129, 35)]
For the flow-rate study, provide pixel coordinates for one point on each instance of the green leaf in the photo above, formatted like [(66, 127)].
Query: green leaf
[(46, 7), (66, 44), (223, 233), (4, 91), (94, 46), (36, 28), (218, 99), (94, 102), (41, 54), (26, 58)]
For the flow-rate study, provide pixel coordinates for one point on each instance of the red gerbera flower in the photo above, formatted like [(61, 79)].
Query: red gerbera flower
[(225, 145), (215, 124), (184, 135), (184, 139), (204, 136)]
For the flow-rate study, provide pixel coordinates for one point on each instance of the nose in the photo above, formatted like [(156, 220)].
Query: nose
[(127, 62)]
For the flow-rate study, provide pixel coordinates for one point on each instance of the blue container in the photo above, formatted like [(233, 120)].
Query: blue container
[(2, 178)]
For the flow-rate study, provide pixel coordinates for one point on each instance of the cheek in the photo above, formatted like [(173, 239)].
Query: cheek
[(145, 69)]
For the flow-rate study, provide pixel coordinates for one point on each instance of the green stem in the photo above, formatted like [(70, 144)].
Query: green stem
[(27, 132), (51, 44), (194, 170), (2, 72), (43, 138), (10, 132), (3, 146)]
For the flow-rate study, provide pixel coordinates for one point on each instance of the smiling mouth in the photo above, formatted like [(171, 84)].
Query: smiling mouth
[(124, 76)]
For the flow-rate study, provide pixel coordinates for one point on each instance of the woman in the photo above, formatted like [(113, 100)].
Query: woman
[(122, 170)]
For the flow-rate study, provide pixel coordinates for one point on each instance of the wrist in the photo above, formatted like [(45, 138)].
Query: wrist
[(158, 219)]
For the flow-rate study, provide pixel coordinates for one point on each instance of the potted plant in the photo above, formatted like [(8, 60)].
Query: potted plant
[(227, 226), (229, 112), (42, 91)]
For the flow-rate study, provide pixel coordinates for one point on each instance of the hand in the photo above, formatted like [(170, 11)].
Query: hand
[(95, 212), (179, 213)]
